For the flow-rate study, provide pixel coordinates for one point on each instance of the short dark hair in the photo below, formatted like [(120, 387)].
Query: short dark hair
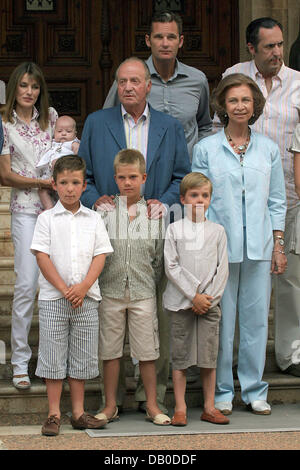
[(234, 80), (166, 16), (71, 163), (252, 31)]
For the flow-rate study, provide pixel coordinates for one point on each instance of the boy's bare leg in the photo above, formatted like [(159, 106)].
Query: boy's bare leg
[(77, 396), (179, 384), (111, 371), (54, 389), (148, 375), (208, 378)]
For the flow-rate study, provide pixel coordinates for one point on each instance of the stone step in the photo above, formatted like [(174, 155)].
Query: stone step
[(4, 217), (7, 274), (6, 299), (4, 195), (282, 389), (270, 365), (5, 327), (6, 244)]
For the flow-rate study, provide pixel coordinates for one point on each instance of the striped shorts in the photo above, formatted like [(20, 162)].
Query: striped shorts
[(68, 342)]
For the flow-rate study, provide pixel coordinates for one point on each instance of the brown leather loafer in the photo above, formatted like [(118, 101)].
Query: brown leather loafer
[(87, 421), (179, 419), (215, 417), (51, 426)]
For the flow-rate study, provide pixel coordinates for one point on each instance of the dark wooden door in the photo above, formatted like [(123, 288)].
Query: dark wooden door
[(80, 43)]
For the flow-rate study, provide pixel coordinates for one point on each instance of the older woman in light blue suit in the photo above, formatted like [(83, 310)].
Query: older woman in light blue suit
[(249, 201)]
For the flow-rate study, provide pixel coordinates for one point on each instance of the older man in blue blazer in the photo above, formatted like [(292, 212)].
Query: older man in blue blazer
[(160, 138)]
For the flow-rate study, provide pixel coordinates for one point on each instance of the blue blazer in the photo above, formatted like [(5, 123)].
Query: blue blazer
[(168, 160), (1, 136)]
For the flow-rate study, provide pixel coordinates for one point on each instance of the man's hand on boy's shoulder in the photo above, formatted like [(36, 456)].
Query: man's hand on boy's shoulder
[(155, 208), (105, 203), (75, 147)]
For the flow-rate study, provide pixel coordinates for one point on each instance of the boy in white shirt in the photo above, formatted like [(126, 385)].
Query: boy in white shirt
[(197, 268), (70, 243)]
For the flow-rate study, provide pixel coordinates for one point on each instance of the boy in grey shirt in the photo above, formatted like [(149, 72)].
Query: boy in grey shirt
[(196, 265)]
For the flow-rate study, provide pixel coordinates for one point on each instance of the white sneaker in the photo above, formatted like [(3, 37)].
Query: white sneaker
[(260, 407), (224, 406)]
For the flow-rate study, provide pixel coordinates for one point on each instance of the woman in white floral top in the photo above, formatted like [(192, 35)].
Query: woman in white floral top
[(28, 127)]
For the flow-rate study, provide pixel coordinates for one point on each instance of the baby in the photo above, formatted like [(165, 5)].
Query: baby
[(65, 143)]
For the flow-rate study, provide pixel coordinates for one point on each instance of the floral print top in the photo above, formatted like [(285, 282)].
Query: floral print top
[(25, 143)]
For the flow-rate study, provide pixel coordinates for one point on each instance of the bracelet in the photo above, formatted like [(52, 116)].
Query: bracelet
[(279, 251)]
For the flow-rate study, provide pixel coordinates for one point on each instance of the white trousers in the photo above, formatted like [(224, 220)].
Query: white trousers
[(27, 271)]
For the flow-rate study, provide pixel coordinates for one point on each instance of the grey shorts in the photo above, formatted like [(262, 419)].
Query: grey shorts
[(68, 345), (195, 338)]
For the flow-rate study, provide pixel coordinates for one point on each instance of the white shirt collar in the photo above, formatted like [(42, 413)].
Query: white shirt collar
[(60, 209), (35, 115), (145, 112), (279, 75)]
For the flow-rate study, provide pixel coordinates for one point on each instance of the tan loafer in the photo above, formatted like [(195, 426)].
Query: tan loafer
[(179, 419)]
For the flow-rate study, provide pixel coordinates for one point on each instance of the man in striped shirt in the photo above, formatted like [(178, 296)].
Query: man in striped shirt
[(280, 86)]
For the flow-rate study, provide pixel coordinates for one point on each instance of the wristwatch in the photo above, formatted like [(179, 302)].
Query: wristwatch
[(280, 240)]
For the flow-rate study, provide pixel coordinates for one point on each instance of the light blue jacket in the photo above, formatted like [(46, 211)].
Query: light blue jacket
[(265, 200)]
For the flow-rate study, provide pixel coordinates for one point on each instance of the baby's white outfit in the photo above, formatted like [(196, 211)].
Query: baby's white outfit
[(58, 149)]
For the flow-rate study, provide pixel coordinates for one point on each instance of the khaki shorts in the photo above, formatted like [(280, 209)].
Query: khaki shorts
[(142, 327), (195, 338)]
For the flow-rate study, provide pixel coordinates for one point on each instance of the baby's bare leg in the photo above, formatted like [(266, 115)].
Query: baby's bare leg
[(45, 198)]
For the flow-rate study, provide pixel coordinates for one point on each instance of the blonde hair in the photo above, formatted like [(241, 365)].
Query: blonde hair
[(194, 180), (42, 103), (130, 157)]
